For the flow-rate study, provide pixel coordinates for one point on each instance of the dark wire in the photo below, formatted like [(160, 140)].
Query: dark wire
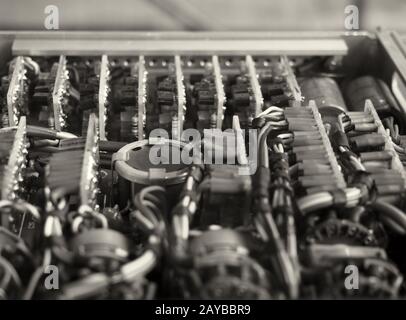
[(391, 212), (152, 207), (10, 270)]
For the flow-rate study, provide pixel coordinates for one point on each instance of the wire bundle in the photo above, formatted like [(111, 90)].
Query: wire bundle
[(373, 148), (272, 121), (311, 152)]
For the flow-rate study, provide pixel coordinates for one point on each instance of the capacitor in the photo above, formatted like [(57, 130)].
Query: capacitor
[(324, 91), (326, 94), (374, 89), (137, 167)]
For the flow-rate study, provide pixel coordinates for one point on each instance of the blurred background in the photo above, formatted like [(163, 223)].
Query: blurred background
[(201, 14)]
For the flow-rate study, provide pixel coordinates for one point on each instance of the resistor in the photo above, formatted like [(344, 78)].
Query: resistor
[(249, 123), (324, 91), (374, 89), (85, 122), (51, 122), (175, 126), (4, 120), (213, 121), (134, 127)]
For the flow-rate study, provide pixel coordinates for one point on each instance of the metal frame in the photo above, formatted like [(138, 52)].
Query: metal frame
[(173, 43)]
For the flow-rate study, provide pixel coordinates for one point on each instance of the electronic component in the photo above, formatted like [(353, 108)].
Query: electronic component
[(14, 150), (17, 104), (369, 264), (221, 167), (148, 162), (224, 268), (80, 177), (121, 98), (207, 92), (166, 107), (59, 93), (368, 87), (245, 94), (368, 138), (311, 151), (324, 91), (278, 82), (225, 190)]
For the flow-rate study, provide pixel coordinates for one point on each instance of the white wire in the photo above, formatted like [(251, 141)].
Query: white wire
[(65, 135), (34, 64), (21, 206), (357, 164), (398, 148), (269, 110), (76, 223), (353, 196), (315, 201), (325, 199), (285, 136), (138, 267)]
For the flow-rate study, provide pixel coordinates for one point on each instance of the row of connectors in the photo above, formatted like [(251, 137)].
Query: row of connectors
[(166, 102), (58, 94), (17, 94), (278, 83), (246, 95), (180, 99), (311, 151), (41, 98), (104, 91), (89, 178), (372, 144), (121, 98), (13, 152), (129, 100), (142, 98), (341, 238), (86, 74), (79, 177), (209, 98)]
